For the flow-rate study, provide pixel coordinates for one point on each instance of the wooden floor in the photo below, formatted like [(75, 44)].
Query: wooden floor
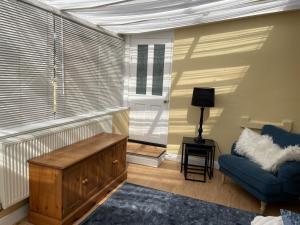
[(168, 178)]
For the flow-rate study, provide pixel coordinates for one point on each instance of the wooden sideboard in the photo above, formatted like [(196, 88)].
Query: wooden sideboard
[(67, 182)]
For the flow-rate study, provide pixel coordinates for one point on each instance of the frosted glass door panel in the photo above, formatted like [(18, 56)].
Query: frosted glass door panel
[(158, 70), (141, 71)]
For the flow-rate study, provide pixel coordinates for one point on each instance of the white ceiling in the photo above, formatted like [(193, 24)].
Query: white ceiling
[(138, 16)]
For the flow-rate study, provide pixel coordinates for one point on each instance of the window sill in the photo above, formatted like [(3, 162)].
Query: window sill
[(12, 132)]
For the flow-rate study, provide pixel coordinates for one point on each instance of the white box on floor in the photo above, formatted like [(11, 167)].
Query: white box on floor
[(145, 160)]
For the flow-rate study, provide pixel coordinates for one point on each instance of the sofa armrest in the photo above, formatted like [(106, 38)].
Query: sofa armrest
[(289, 175), (232, 148), (233, 152)]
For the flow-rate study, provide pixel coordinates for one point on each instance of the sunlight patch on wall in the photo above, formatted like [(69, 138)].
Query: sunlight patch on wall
[(214, 114), (245, 40), (174, 148), (224, 89), (121, 122), (178, 114), (212, 75), (224, 80), (179, 129), (182, 92), (180, 123)]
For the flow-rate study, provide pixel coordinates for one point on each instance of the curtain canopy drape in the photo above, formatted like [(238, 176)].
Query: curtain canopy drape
[(137, 16)]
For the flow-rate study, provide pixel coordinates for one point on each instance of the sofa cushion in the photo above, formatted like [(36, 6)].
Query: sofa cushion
[(280, 136), (251, 173)]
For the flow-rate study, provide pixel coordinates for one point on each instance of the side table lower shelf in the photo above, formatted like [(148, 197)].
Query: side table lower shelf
[(203, 150)]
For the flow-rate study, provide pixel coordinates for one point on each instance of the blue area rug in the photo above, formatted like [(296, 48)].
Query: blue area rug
[(136, 205)]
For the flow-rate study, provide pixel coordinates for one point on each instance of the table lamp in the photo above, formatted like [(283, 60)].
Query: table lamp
[(202, 97)]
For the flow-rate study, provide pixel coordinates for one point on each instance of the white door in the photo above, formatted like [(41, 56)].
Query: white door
[(149, 86)]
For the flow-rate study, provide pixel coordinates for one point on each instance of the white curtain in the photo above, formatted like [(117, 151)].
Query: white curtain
[(137, 16)]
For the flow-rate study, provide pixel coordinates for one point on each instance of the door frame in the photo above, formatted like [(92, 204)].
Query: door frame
[(167, 36)]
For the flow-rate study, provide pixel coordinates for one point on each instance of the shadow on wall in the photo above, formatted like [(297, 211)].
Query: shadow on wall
[(230, 57)]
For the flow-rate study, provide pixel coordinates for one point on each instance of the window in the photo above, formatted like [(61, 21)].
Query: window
[(92, 78), (142, 66), (26, 57), (158, 60), (51, 67), (158, 69), (78, 86)]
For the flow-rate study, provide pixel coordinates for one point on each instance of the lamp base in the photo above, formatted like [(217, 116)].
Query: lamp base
[(199, 139)]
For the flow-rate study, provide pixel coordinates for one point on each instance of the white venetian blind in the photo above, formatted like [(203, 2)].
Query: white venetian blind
[(26, 55), (111, 65), (38, 49), (90, 77)]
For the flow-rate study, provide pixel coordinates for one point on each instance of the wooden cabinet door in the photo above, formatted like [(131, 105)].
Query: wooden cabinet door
[(105, 166), (72, 191), (119, 158), (90, 182)]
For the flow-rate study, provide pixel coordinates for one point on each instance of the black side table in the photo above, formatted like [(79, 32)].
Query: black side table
[(205, 149)]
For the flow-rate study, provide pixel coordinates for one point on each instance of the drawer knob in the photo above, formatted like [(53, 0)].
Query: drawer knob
[(85, 181), (115, 161)]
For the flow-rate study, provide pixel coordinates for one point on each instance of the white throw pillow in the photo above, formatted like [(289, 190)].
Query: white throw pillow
[(262, 150), (268, 220)]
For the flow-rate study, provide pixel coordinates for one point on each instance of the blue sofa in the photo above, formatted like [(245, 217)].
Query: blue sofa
[(265, 186)]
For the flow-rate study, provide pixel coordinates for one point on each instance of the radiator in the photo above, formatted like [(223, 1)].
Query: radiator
[(14, 153)]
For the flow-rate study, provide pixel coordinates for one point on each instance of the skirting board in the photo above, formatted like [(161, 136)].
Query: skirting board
[(15, 217), (144, 160), (192, 159)]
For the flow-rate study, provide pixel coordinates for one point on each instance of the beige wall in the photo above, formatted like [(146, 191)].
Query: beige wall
[(120, 122), (253, 63)]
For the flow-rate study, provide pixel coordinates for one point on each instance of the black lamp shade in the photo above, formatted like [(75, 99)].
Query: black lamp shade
[(203, 97)]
